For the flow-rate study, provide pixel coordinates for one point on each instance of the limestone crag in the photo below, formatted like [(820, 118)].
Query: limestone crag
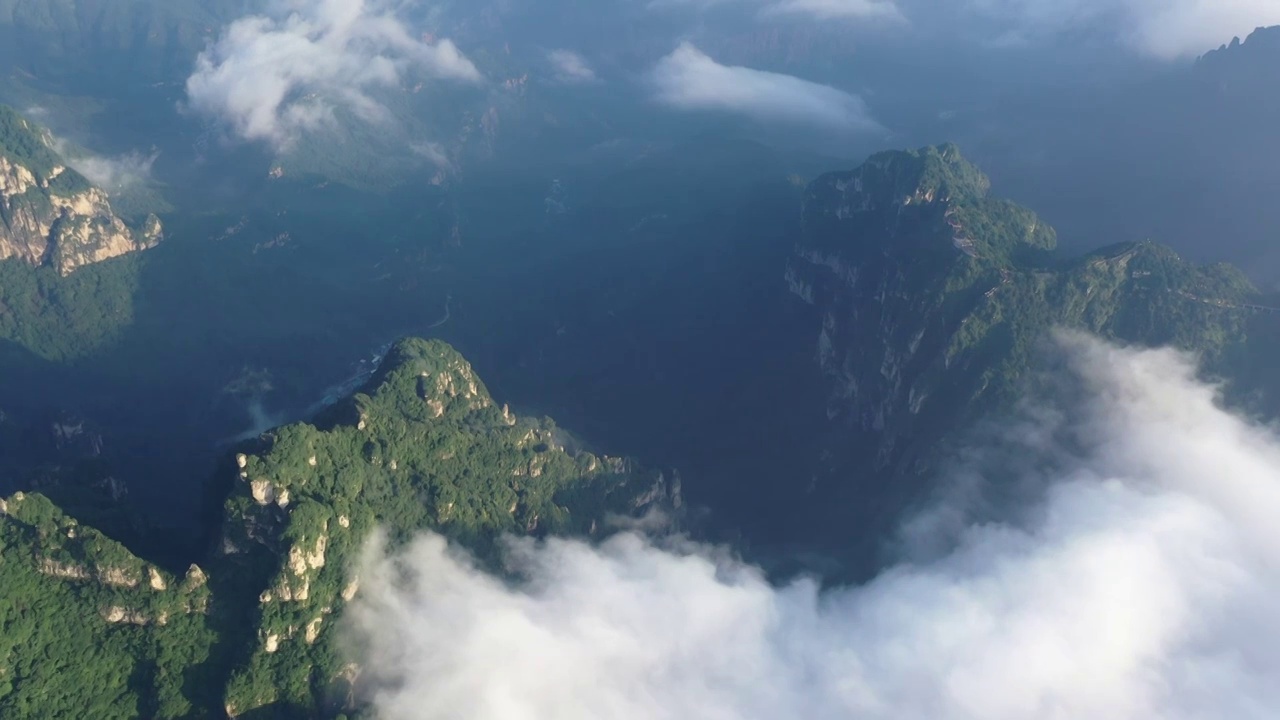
[(51, 215)]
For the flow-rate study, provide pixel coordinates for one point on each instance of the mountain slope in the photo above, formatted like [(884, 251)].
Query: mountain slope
[(49, 213), (934, 299)]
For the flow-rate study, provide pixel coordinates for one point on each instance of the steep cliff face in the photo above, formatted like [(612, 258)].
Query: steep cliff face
[(49, 213), (933, 298)]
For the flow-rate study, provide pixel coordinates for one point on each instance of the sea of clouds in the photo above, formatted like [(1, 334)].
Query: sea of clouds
[(1139, 583)]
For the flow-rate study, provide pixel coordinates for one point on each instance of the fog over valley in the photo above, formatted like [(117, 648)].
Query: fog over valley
[(1135, 585)]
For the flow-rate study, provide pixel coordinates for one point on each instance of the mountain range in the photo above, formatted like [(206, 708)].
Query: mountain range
[(929, 302)]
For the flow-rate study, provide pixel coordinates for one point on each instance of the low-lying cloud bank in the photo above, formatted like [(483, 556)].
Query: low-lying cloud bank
[(689, 79), (1142, 585), (272, 77)]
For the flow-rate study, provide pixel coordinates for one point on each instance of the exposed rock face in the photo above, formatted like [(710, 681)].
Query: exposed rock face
[(49, 213), (313, 630), (117, 614)]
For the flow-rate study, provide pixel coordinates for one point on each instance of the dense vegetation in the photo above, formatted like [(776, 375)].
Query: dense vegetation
[(64, 319), (88, 625), (89, 630)]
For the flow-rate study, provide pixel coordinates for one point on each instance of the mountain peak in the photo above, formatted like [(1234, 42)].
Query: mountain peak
[(433, 372), (940, 172), (921, 204), (427, 355), (906, 177)]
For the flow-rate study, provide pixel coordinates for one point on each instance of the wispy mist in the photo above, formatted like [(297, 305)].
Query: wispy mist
[(1140, 585), (116, 174)]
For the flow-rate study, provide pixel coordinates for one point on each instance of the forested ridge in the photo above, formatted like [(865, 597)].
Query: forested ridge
[(88, 629)]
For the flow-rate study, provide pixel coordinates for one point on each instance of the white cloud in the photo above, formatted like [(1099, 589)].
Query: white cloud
[(570, 67), (271, 77), (688, 79), (1143, 585), (1161, 28)]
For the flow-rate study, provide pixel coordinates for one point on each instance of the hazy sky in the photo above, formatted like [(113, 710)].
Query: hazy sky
[(1140, 585)]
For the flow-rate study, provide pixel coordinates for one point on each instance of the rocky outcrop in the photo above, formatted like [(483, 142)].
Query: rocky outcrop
[(49, 213)]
